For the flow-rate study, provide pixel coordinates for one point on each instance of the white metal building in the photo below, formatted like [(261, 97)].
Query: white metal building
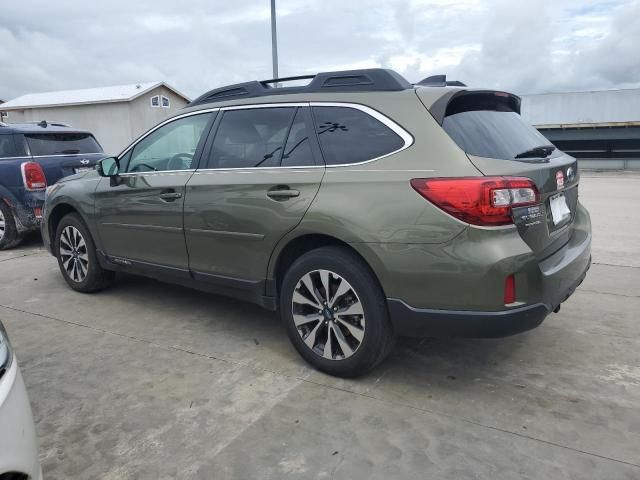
[(115, 115), (601, 128)]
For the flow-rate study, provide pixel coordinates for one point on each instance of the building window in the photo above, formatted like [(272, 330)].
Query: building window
[(155, 101), (165, 102)]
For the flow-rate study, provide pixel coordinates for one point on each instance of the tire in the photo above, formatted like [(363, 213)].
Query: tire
[(9, 236), (360, 337), (77, 259)]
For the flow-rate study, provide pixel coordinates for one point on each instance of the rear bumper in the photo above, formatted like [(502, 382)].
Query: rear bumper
[(24, 211), (420, 322)]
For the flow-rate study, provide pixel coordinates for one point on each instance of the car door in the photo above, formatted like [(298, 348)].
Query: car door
[(263, 170), (139, 215)]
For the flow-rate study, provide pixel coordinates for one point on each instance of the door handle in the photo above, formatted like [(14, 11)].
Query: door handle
[(282, 193), (170, 196)]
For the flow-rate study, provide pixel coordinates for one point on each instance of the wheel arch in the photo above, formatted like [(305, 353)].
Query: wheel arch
[(295, 247), (58, 212)]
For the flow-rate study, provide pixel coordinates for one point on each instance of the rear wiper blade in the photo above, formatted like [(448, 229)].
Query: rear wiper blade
[(537, 152), (70, 151)]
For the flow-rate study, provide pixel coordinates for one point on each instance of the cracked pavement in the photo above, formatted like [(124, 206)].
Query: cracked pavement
[(154, 381)]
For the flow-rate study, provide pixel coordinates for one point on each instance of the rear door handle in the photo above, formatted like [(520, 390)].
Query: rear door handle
[(282, 193), (170, 196)]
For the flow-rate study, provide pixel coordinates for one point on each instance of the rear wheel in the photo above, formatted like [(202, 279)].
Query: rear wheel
[(335, 312), (9, 236), (77, 258)]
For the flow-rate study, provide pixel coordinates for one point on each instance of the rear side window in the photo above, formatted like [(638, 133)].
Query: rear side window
[(42, 144), (252, 138), (485, 125), (7, 146), (348, 135)]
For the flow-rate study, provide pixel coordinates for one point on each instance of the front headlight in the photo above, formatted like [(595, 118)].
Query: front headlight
[(6, 355)]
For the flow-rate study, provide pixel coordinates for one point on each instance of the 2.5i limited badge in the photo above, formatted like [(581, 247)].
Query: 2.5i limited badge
[(559, 179)]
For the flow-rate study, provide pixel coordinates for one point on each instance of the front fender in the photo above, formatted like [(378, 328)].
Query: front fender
[(75, 195)]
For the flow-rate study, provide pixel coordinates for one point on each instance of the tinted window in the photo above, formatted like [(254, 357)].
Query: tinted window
[(348, 135), (171, 147), (251, 138), (61, 143), (297, 151), (7, 147), (488, 127)]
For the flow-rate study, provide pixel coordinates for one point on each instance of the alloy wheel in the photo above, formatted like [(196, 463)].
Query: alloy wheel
[(328, 314), (73, 254)]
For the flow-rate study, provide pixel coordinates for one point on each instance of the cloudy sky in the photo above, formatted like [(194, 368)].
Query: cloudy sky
[(523, 46)]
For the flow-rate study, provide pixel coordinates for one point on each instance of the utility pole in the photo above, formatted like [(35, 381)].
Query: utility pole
[(274, 39)]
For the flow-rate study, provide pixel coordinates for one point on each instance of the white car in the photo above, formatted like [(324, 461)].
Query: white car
[(18, 445)]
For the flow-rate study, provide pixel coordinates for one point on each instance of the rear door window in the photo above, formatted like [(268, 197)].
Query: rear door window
[(42, 144), (485, 125), (348, 135), (297, 151), (7, 146), (252, 137)]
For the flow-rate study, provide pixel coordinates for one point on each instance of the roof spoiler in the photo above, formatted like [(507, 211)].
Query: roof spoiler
[(439, 81), (45, 124)]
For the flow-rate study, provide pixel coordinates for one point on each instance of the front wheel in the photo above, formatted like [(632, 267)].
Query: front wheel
[(77, 257), (335, 312)]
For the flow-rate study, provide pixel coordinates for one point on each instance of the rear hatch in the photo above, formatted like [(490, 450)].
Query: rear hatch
[(487, 125), (61, 154)]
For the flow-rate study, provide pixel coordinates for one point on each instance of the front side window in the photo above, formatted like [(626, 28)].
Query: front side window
[(7, 147), (348, 135), (171, 147), (42, 144), (251, 138)]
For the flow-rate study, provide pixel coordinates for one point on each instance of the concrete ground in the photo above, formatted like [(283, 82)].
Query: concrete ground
[(153, 381)]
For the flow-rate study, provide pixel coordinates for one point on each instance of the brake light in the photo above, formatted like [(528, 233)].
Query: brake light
[(509, 289), (33, 176), (485, 201)]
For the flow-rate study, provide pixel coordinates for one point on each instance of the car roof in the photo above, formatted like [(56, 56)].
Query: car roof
[(40, 127)]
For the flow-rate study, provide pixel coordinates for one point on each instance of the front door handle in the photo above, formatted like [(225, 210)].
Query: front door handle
[(282, 193), (170, 196)]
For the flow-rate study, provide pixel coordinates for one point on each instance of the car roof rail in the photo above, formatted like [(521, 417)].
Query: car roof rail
[(365, 80), (439, 81)]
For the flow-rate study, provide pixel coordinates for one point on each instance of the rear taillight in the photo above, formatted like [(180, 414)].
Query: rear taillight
[(33, 176), (485, 201)]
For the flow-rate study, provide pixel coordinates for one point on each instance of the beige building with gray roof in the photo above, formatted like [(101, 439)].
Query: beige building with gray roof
[(116, 115)]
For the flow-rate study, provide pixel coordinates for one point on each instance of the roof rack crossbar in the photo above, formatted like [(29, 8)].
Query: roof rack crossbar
[(287, 79), (365, 80)]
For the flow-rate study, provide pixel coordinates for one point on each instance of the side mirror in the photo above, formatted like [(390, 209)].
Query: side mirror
[(108, 167)]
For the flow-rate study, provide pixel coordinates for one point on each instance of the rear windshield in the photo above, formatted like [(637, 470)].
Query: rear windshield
[(62, 143), (485, 125)]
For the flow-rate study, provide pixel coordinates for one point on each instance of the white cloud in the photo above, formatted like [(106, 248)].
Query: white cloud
[(544, 45)]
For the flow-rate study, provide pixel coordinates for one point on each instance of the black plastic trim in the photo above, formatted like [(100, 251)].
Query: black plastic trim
[(365, 80), (415, 322)]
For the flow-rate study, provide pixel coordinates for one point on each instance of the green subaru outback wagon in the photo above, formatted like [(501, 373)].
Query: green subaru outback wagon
[(359, 206)]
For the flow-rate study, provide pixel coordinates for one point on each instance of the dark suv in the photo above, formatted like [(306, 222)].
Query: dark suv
[(32, 156), (360, 206)]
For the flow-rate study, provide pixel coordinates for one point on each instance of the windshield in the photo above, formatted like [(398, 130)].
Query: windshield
[(42, 144), (490, 130)]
